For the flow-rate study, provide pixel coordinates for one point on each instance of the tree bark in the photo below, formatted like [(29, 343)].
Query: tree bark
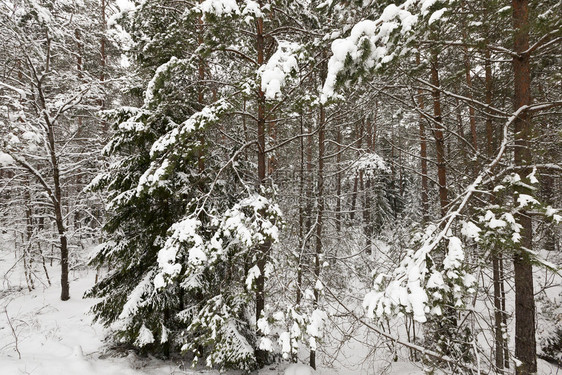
[(302, 231), (525, 344), (59, 220), (320, 220), (367, 220), (338, 181), (500, 318), (358, 129), (423, 155), (201, 93), (103, 61), (468, 77), (264, 248), (56, 195), (262, 163), (438, 134)]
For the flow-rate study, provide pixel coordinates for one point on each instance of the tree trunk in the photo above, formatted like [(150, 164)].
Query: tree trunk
[(423, 156), (260, 300), (56, 195), (338, 182), (367, 220), (103, 61), (27, 255), (358, 129), (438, 134), (320, 221), (468, 77), (59, 220), (200, 93), (525, 344), (302, 231), (500, 318), (263, 249)]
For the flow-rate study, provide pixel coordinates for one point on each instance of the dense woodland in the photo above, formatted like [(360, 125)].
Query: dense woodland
[(256, 180)]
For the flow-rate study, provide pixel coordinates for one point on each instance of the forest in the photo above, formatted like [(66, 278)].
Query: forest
[(280, 187)]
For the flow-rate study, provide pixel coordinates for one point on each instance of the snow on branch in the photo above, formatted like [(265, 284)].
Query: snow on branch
[(218, 7), (373, 43), (208, 115), (250, 222), (370, 164), (281, 64), (404, 290)]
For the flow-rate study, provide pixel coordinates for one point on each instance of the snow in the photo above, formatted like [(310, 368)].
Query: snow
[(13, 140), (5, 159), (285, 342), (59, 337), (198, 120), (218, 7), (468, 280), (43, 14), (370, 164), (144, 337), (253, 274), (512, 178), (375, 33), (425, 5), (135, 297), (251, 10), (56, 337), (470, 230), (550, 211), (279, 66), (553, 213), (417, 299), (525, 200), (22, 93), (318, 285), (266, 344), (316, 326), (125, 5), (436, 16), (435, 280), (252, 229), (455, 254), (491, 221), (182, 232), (263, 326), (531, 176), (149, 94), (299, 369)]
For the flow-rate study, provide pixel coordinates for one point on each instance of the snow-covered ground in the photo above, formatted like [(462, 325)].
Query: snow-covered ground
[(55, 337), (41, 335)]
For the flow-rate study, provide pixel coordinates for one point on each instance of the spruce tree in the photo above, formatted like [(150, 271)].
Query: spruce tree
[(184, 221)]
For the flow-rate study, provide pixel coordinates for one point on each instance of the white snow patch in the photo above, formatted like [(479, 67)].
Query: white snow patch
[(436, 16), (253, 274), (219, 7), (299, 369), (144, 337), (5, 159), (279, 66), (455, 254), (470, 230)]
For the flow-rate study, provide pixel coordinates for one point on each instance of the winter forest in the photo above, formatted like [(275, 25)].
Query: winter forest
[(280, 187)]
